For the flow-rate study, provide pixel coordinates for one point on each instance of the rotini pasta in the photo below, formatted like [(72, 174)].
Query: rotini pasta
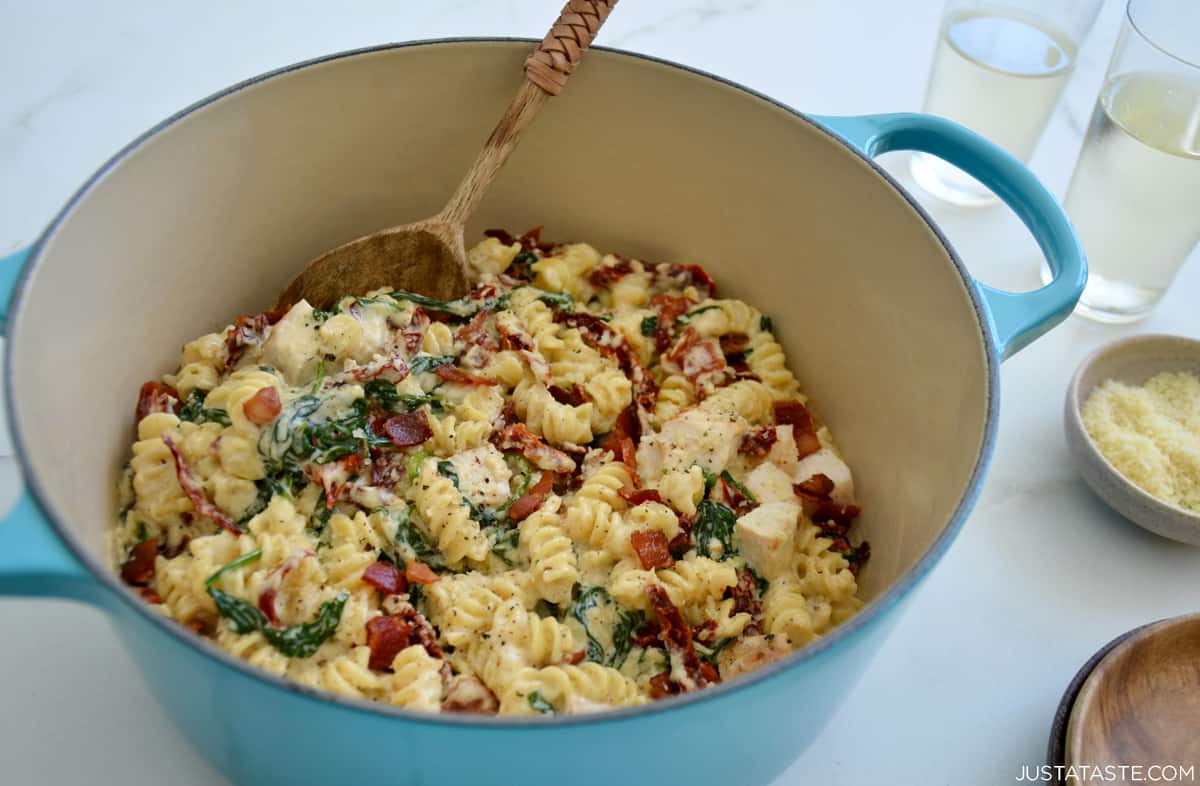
[(589, 484)]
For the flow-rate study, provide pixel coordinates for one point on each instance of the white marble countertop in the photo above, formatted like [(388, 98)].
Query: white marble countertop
[(1043, 574)]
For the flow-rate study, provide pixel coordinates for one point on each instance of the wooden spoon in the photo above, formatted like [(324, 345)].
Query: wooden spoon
[(429, 256)]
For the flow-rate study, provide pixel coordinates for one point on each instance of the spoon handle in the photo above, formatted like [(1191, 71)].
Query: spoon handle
[(546, 71), (561, 50)]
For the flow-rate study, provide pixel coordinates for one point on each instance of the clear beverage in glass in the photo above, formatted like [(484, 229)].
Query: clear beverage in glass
[(999, 69), (1133, 196)]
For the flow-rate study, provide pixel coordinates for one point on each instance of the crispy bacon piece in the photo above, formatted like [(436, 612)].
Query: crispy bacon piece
[(669, 308), (533, 448), (652, 549), (595, 330), (607, 275), (648, 635), (678, 637), (263, 407), (832, 520), (683, 541), (745, 595), (734, 343), (173, 552), (156, 397), (573, 396), (139, 567), (758, 441), (533, 499), (807, 443), (419, 573), (661, 686), (696, 358), (855, 555), (387, 636), (414, 333), (385, 577), (610, 342), (423, 631), (408, 429), (735, 499), (824, 511), (574, 658), (516, 340), (500, 234), (680, 276), (325, 475), (680, 543), (275, 313), (820, 485), (530, 241), (393, 365), (621, 442), (457, 376), (466, 693), (637, 497), (388, 467), (475, 332), (194, 492), (804, 431), (266, 604), (246, 331)]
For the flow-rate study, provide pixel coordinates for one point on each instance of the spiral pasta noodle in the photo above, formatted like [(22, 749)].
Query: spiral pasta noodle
[(582, 486)]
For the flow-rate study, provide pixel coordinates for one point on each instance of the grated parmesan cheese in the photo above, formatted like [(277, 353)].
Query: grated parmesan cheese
[(1151, 434)]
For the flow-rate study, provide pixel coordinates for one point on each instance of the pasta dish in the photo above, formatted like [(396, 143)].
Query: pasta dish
[(590, 483)]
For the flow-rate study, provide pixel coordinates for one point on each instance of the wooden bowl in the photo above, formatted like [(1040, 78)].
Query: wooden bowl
[(1056, 749), (1139, 703), (1132, 361)]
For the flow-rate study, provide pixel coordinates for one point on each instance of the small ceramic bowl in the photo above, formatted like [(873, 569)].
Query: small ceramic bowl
[(1133, 701), (1132, 361)]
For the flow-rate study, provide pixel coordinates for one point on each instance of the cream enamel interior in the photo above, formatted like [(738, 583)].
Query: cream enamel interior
[(212, 215)]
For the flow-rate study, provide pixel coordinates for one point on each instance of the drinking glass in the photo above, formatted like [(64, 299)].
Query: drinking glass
[(999, 70), (1133, 197)]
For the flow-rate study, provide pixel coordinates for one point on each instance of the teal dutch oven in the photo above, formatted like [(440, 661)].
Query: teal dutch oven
[(208, 214)]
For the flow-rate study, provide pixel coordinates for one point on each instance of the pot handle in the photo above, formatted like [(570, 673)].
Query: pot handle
[(10, 270), (1015, 318), (33, 560)]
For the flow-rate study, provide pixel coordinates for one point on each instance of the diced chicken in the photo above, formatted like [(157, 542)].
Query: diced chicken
[(467, 694), (578, 705), (356, 335), (294, 345), (764, 535), (783, 453), (695, 436), (750, 653), (483, 476), (769, 483), (826, 462)]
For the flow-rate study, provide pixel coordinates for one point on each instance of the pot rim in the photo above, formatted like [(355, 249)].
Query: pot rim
[(870, 614)]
